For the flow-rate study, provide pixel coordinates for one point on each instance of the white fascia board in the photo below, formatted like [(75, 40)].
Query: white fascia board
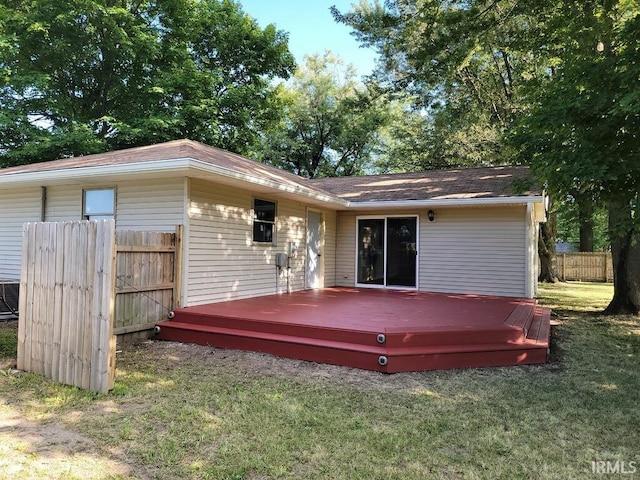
[(38, 178), (452, 202)]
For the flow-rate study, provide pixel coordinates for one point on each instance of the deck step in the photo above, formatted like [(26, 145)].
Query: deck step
[(540, 326), (522, 316), (468, 359), (202, 334), (274, 327), (394, 337), (398, 358)]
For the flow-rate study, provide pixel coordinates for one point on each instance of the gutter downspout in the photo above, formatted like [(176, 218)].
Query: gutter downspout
[(43, 203)]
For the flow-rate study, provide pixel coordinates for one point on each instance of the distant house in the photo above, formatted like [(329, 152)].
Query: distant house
[(566, 247), (459, 231)]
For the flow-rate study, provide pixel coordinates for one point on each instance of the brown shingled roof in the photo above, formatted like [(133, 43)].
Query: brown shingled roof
[(433, 185), (177, 149), (430, 185)]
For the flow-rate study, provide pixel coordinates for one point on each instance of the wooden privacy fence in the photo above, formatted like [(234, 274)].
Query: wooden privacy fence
[(587, 267), (65, 330), (82, 283)]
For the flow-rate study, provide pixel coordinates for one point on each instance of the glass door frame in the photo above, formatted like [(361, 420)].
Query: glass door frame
[(357, 245)]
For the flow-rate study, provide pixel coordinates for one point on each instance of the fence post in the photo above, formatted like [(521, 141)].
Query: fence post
[(177, 280)]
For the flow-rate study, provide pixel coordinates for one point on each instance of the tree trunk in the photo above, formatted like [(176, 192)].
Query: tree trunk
[(625, 251), (547, 249), (585, 219)]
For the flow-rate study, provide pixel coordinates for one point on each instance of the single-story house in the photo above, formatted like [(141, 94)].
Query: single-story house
[(456, 231)]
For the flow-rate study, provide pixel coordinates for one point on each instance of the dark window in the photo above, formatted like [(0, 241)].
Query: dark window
[(264, 219)]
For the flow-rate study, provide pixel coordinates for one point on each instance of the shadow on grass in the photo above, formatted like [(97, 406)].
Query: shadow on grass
[(46, 449)]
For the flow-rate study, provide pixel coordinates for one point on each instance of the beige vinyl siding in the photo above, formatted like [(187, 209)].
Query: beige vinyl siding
[(329, 250), (64, 203), (16, 208), (474, 250), (223, 261), (148, 205), (465, 250), (345, 249), (154, 205)]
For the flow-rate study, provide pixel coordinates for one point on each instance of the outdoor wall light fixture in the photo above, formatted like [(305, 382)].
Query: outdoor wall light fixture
[(431, 216)]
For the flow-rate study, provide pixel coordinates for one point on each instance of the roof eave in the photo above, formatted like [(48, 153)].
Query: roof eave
[(187, 165), (37, 178), (298, 190), (448, 202), (183, 166)]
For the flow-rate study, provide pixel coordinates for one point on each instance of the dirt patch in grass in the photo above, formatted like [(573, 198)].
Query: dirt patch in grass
[(31, 449), (170, 355), (44, 447)]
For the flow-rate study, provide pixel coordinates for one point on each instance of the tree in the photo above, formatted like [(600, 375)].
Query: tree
[(331, 123), (85, 76), (580, 131), (571, 228), (418, 139)]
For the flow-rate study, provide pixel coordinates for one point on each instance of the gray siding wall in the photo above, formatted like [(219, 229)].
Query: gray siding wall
[(151, 205), (223, 261), (480, 251), (465, 250), (16, 207), (148, 205)]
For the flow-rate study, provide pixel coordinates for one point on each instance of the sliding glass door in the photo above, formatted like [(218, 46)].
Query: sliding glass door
[(371, 251), (387, 252)]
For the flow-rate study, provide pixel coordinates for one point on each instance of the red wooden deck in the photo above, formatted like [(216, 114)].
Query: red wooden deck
[(384, 330)]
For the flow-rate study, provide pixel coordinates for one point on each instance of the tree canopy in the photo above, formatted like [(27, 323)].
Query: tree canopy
[(331, 123), (580, 128), (459, 61), (84, 76)]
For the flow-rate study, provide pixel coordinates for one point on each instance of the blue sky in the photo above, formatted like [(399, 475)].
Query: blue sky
[(312, 29)]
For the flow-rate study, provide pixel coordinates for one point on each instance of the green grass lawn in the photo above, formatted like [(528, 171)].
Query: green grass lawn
[(181, 411)]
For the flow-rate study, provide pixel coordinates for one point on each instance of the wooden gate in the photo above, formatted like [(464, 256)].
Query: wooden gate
[(148, 272)]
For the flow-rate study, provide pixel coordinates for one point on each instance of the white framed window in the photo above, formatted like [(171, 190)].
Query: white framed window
[(99, 204), (264, 221)]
